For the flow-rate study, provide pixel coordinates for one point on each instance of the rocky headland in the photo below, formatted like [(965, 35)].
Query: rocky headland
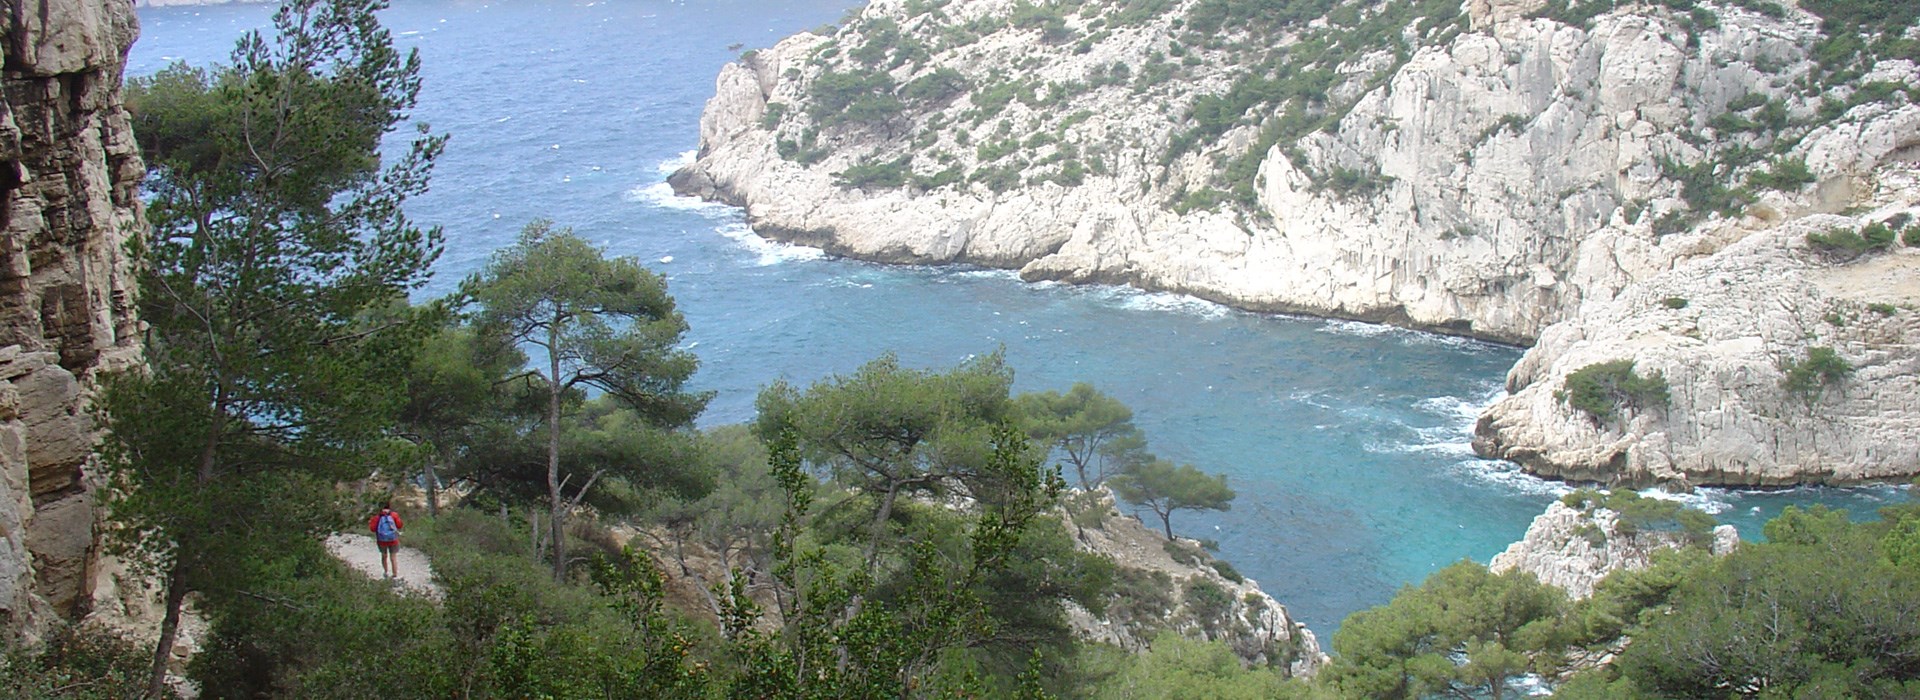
[(1602, 184), (1574, 547)]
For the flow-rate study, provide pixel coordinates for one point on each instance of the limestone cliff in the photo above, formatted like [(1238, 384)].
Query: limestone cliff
[(1491, 168), (69, 172), (1574, 548), (1726, 331)]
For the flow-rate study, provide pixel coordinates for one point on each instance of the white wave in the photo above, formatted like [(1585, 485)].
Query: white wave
[(661, 195), (1356, 328), (1462, 409), (1507, 475), (1133, 299), (769, 252), (1709, 500), (1409, 336), (1443, 447), (1006, 275), (666, 167)]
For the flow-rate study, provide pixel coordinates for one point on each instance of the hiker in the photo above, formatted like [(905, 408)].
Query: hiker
[(386, 533)]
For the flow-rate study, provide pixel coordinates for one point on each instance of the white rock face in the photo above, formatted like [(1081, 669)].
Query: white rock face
[(1500, 181), (1574, 549), (1749, 312), (69, 177)]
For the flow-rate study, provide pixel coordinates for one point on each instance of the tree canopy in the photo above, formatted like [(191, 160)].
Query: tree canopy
[(1164, 488), (277, 235), (601, 324)]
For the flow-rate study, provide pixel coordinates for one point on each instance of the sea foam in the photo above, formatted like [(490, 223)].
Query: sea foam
[(770, 252)]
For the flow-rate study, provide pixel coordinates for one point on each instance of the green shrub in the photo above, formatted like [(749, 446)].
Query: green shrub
[(1637, 513), (1203, 199), (880, 174), (1809, 378), (1786, 175), (770, 119), (999, 179), (1509, 122), (1848, 244), (1354, 182), (1882, 309), (1675, 303), (1912, 236), (1603, 390), (952, 175), (84, 663), (1208, 604), (1672, 222), (1227, 571), (853, 98), (1183, 553), (938, 85)]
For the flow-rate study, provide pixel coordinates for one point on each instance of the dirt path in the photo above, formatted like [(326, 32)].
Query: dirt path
[(359, 552)]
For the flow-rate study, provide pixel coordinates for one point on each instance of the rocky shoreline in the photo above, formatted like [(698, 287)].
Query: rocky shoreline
[(1524, 181)]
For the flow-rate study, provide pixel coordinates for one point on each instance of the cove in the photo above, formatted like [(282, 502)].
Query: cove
[(1346, 442)]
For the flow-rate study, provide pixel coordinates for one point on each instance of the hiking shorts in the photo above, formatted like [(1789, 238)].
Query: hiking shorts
[(389, 545)]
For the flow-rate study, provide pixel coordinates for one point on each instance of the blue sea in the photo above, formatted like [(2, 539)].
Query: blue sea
[(1347, 442)]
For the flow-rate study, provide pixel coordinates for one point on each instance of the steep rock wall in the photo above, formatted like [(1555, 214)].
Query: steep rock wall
[(1725, 330), (69, 172)]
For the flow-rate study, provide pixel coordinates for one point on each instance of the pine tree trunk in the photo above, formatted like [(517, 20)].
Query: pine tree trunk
[(177, 574), (169, 630), (556, 521), (433, 490)]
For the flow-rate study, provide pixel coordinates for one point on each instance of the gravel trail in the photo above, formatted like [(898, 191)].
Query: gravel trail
[(359, 552)]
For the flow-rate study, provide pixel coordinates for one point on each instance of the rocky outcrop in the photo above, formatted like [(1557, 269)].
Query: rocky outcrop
[(1504, 174), (1574, 548), (1724, 332), (69, 172), (1178, 587)]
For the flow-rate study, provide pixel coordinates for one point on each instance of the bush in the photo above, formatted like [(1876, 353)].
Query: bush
[(76, 664), (770, 119), (850, 98), (1912, 236), (1672, 222), (1810, 377), (1847, 244), (941, 84), (1882, 309), (950, 176), (1208, 604), (1786, 175), (1603, 390), (1675, 303), (1639, 513), (871, 174)]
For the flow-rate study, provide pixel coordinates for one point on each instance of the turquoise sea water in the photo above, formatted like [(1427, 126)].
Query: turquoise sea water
[(1347, 442)]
